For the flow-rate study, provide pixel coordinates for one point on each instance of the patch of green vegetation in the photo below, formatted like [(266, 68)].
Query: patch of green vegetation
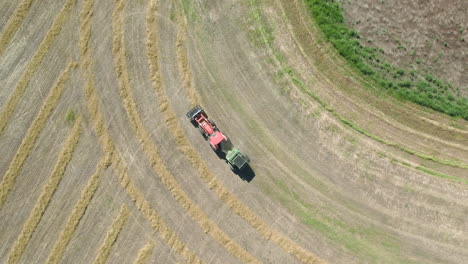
[(190, 11), (441, 175), (366, 242), (433, 94), (70, 116)]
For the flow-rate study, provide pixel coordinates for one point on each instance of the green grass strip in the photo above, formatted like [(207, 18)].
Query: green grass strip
[(441, 175)]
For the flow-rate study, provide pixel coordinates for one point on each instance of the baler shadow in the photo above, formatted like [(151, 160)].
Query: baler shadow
[(247, 174)]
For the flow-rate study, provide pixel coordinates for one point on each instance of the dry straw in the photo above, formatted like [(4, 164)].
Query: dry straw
[(145, 253), (33, 134), (92, 100), (34, 64), (13, 24), (200, 165), (42, 203), (77, 213), (112, 234), (148, 146)]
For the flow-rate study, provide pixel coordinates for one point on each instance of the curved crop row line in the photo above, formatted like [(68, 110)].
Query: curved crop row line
[(77, 213), (112, 235), (149, 147), (97, 118), (42, 203), (182, 59), (34, 64), (14, 23), (33, 133), (200, 165), (144, 253), (155, 220)]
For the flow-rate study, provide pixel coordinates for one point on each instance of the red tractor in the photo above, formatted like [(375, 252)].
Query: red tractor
[(207, 128), (218, 141)]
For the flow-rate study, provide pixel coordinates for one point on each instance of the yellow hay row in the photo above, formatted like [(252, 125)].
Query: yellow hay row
[(158, 225), (92, 101), (42, 203), (149, 147), (182, 58), (200, 165), (34, 64), (112, 235), (14, 23), (33, 133), (145, 253), (77, 213)]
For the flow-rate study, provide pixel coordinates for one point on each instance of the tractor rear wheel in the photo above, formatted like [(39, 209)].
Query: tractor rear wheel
[(214, 149), (203, 133)]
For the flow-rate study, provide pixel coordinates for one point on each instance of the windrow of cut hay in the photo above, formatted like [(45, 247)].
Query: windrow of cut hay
[(42, 203), (33, 133), (200, 165), (149, 148), (145, 253), (97, 118), (158, 225), (182, 58), (14, 23), (112, 235), (34, 64), (77, 213)]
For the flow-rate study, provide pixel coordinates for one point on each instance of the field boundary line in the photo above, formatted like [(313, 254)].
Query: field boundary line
[(97, 119), (43, 201), (77, 213), (33, 65), (33, 133), (145, 253), (148, 146), (14, 23), (112, 235)]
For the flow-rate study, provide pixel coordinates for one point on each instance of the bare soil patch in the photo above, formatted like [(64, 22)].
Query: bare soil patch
[(430, 36)]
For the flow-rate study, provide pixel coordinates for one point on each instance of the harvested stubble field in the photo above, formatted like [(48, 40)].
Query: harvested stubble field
[(100, 165)]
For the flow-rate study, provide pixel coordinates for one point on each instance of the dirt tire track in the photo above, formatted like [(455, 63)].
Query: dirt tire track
[(14, 23), (77, 213), (34, 64), (148, 146), (33, 133), (43, 201), (112, 235), (98, 123), (201, 167), (145, 253)]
